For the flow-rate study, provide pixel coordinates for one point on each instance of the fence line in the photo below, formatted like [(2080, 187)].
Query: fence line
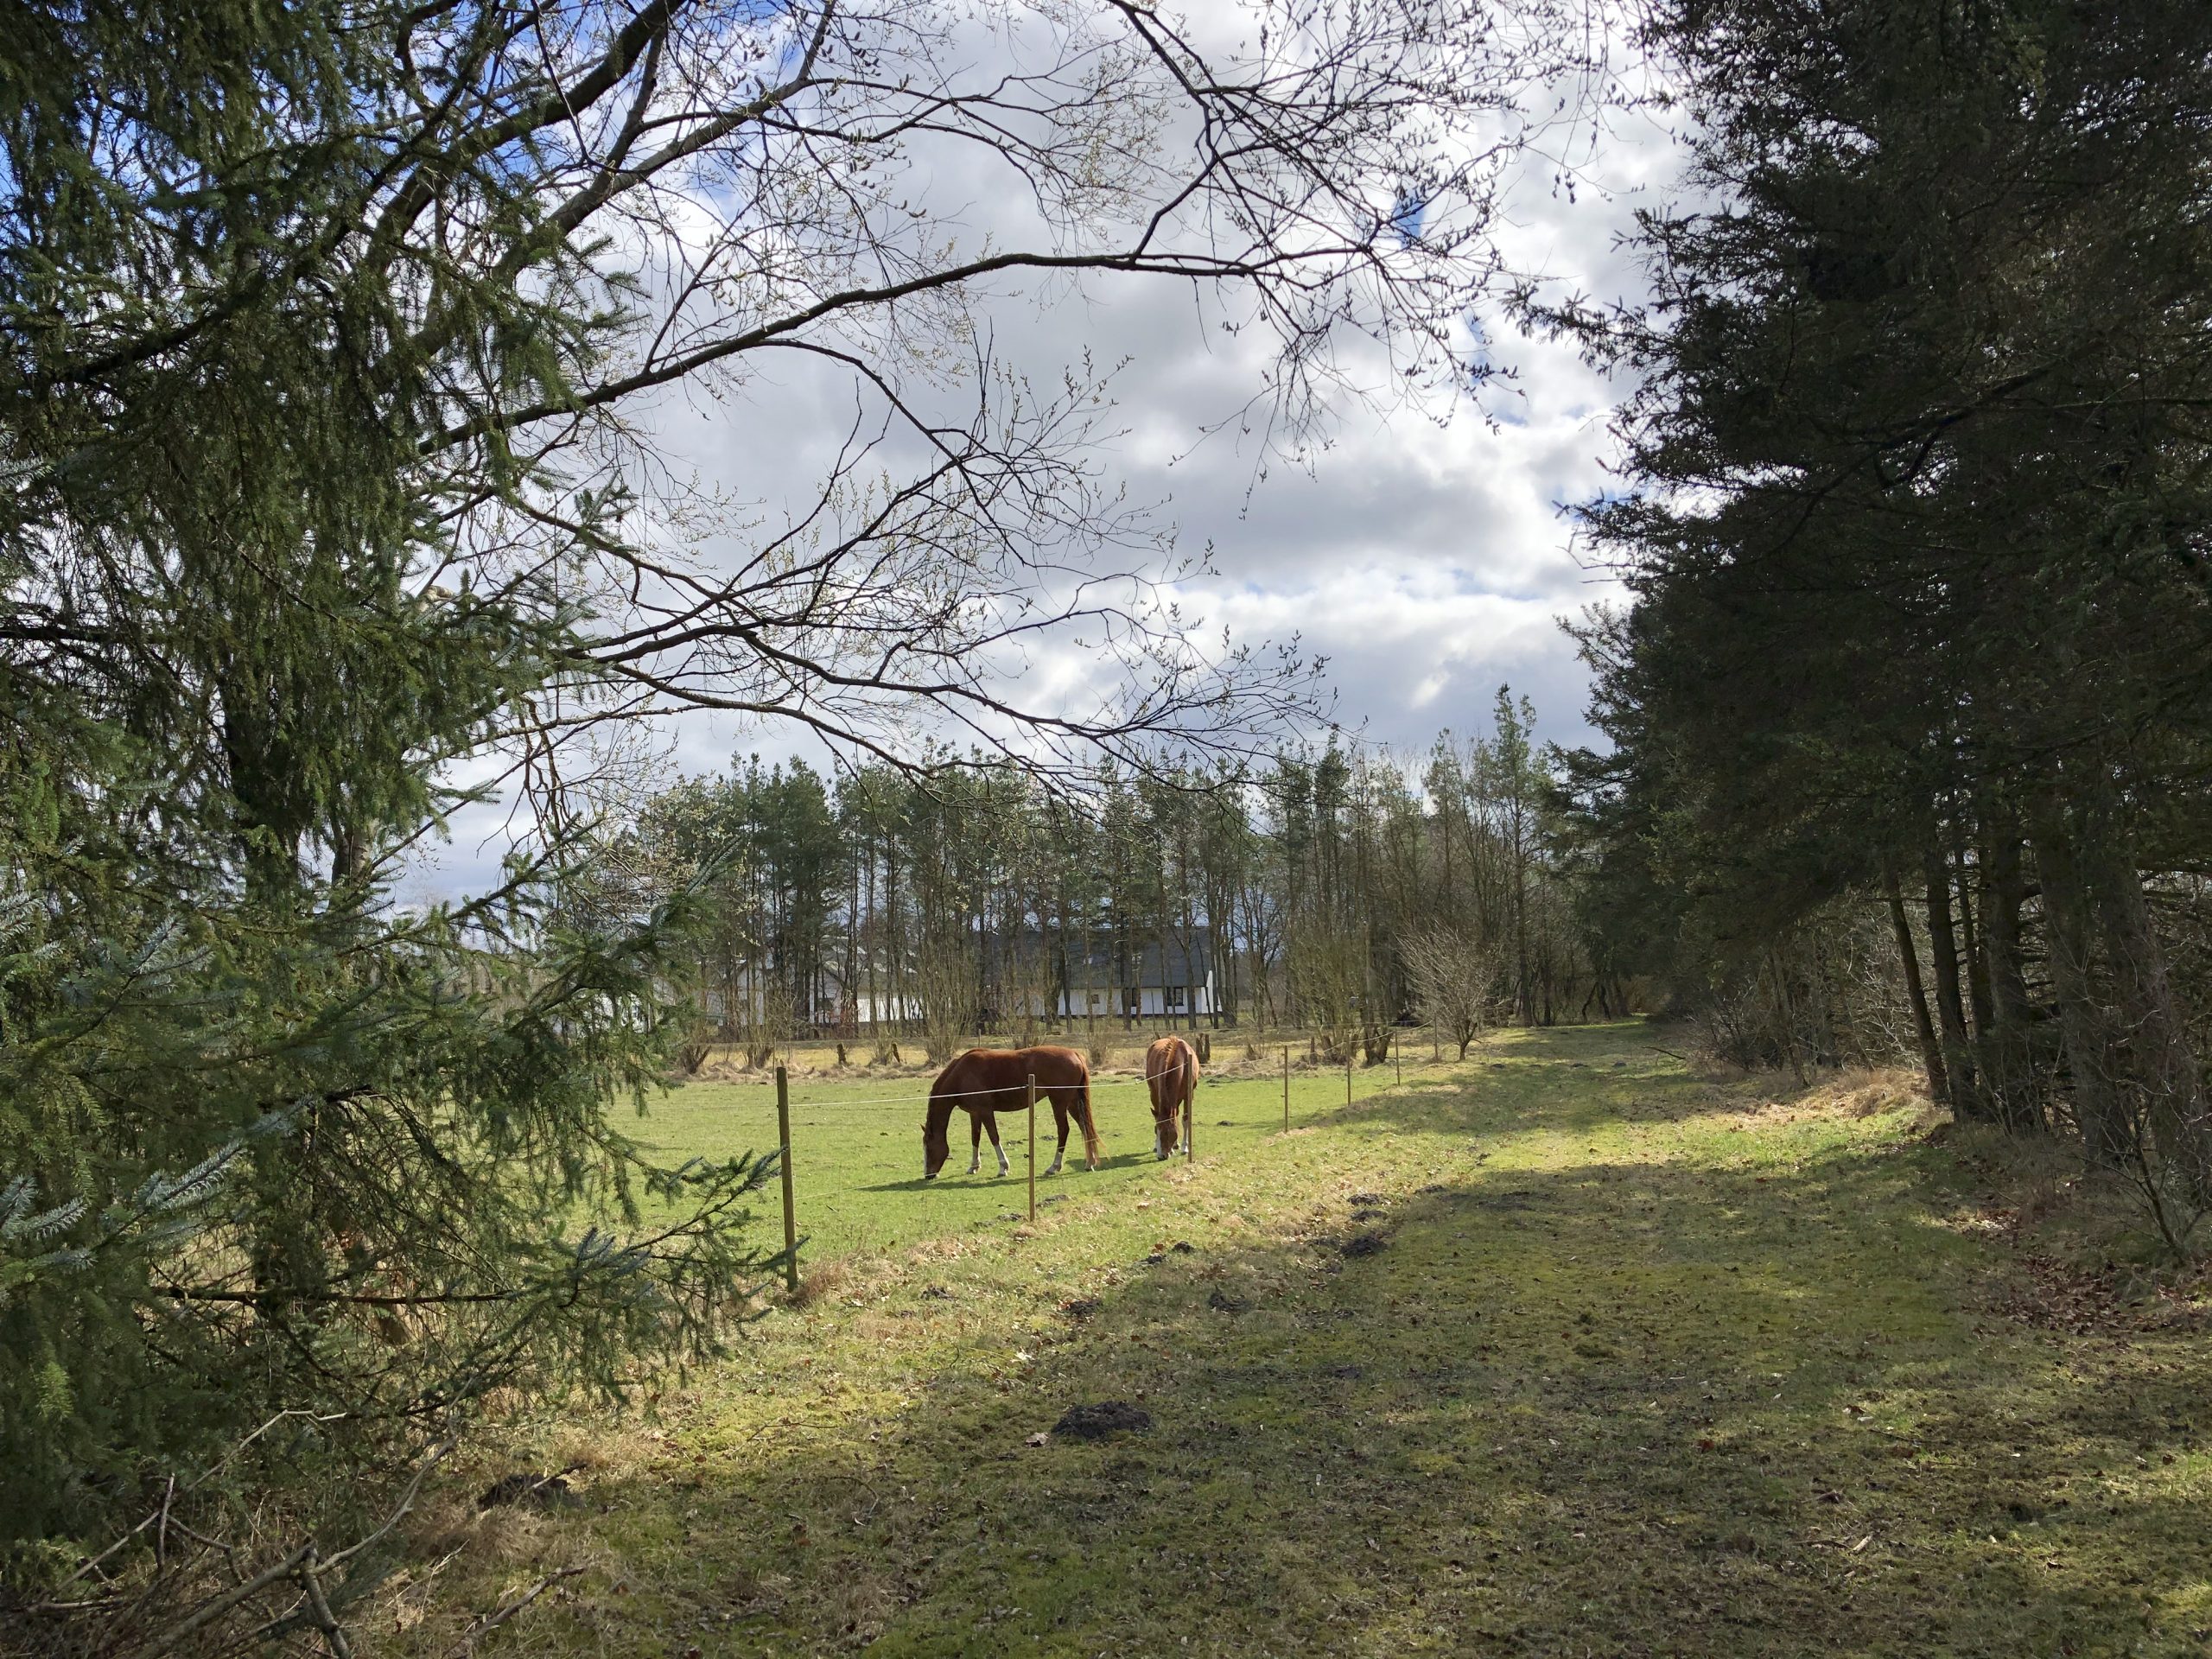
[(1095, 1085), (965, 1094), (1014, 1088), (784, 1104)]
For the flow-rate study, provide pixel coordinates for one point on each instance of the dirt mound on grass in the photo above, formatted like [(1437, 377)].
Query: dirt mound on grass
[(1096, 1422)]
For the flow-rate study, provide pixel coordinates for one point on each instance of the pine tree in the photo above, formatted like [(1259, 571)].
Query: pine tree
[(1915, 547)]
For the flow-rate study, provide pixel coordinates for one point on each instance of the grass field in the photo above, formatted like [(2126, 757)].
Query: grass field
[(857, 1143), (1637, 1364)]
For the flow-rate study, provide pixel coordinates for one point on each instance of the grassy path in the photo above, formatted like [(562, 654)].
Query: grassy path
[(1642, 1366)]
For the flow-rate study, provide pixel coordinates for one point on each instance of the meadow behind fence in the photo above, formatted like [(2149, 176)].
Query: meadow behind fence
[(851, 1144)]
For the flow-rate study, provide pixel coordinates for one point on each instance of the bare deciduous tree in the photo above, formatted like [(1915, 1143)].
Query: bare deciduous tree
[(1328, 971), (744, 191), (1455, 976), (947, 980)]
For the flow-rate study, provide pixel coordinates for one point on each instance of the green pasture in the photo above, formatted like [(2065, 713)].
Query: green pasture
[(856, 1144), (1566, 1351)]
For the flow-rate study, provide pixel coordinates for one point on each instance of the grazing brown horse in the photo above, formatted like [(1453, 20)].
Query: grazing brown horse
[(985, 1081), (1171, 1072)]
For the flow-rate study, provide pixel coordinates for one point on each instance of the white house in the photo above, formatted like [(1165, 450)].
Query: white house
[(1178, 984)]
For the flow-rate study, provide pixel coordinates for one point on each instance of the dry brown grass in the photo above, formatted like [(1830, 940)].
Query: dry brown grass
[(821, 1281)]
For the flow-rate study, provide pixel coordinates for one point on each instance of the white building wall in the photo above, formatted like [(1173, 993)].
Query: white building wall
[(1107, 1001)]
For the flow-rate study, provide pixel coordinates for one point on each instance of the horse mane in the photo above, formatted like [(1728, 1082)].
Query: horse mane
[(944, 1094), (1170, 1064)]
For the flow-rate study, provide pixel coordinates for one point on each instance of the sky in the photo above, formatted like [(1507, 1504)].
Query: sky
[(1424, 549)]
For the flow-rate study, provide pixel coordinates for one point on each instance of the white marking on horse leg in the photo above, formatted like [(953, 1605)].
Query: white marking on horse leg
[(1001, 1153)]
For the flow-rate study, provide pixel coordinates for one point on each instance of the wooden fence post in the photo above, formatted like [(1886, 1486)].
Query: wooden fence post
[(1398, 1056), (1348, 1075), (1286, 1087), (791, 1215), (1190, 1124), (1032, 1146)]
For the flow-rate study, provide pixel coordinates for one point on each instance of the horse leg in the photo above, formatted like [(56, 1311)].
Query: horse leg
[(991, 1124), (975, 1140), (1061, 1115)]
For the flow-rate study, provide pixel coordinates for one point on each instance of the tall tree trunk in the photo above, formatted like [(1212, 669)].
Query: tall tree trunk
[(2158, 1057), (2008, 1055), (983, 1013), (1785, 1010), (1520, 928), (1832, 1038), (1066, 993), (874, 943), (1950, 1005), (1192, 949), (1970, 939), (2081, 1019), (1931, 1054), (895, 968)]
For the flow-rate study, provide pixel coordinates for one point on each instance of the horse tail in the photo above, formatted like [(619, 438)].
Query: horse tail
[(1090, 1124)]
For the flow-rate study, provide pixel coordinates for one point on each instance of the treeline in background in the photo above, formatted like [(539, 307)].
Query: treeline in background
[(1347, 892)]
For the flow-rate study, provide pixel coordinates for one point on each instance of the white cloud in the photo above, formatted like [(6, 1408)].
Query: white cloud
[(1423, 549)]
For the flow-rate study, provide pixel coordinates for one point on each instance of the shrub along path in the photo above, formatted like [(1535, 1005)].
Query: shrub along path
[(1630, 1364)]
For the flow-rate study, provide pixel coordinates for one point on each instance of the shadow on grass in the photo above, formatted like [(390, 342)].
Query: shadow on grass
[(950, 1180), (1605, 1408), (1568, 1078)]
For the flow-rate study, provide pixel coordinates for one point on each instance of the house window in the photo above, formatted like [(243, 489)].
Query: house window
[(1178, 998)]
